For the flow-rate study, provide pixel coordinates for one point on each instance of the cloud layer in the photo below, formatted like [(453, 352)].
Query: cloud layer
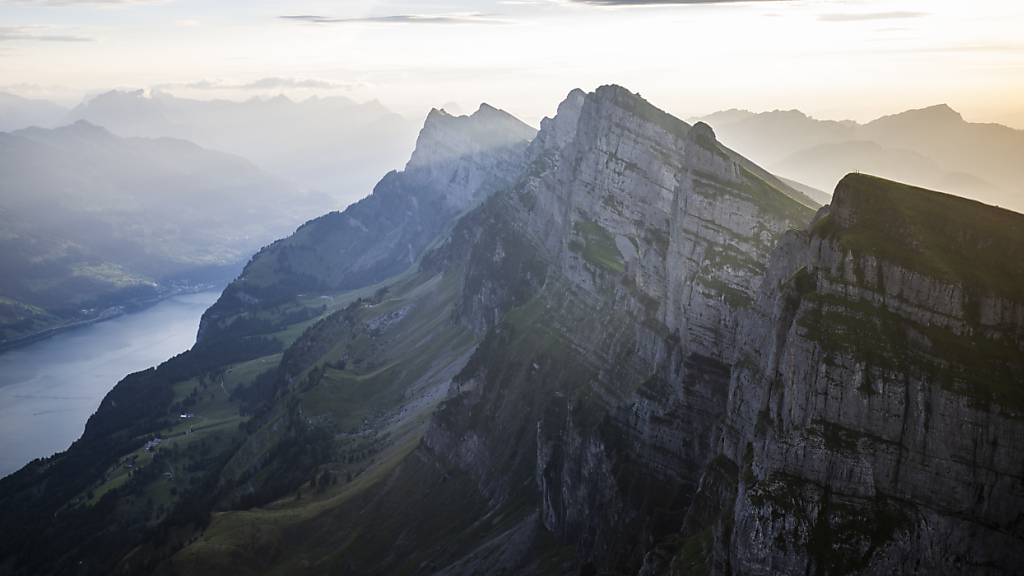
[(75, 2), (396, 19), (663, 2), (269, 83), (862, 16), (38, 34)]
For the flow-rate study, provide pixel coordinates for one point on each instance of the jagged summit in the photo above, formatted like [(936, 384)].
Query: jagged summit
[(445, 137)]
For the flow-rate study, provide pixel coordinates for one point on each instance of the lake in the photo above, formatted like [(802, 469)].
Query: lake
[(49, 389)]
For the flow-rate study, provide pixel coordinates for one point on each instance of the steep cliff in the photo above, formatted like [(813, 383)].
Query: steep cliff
[(599, 391), (875, 406)]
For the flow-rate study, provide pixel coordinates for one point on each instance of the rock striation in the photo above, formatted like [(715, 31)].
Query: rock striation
[(875, 415), (652, 238)]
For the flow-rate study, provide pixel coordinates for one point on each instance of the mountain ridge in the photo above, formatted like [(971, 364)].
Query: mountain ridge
[(637, 352), (331, 145)]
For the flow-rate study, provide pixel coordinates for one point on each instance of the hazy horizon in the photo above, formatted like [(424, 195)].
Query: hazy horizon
[(690, 57)]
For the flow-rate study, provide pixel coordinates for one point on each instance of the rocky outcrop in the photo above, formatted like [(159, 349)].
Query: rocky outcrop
[(875, 420)]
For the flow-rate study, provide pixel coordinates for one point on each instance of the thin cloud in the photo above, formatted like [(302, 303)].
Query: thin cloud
[(278, 83), (79, 2), (37, 34), (396, 19), (863, 16), (663, 2), (270, 83)]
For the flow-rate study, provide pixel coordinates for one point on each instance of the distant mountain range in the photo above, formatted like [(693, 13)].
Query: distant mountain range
[(90, 220), (933, 147), (340, 147), (17, 112), (331, 145), (134, 192)]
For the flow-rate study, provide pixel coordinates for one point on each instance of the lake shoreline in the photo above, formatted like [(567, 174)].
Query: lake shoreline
[(49, 389), (129, 307)]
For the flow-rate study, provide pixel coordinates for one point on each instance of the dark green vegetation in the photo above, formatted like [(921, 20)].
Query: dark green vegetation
[(983, 367), (977, 248), (947, 237), (93, 223), (597, 246)]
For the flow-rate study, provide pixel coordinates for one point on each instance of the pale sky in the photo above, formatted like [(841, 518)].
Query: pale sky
[(831, 58)]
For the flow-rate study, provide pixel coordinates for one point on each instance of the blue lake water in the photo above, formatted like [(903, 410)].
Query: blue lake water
[(50, 388)]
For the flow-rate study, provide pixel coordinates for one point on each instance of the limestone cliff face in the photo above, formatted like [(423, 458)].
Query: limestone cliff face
[(608, 370), (634, 203), (875, 418), (458, 162)]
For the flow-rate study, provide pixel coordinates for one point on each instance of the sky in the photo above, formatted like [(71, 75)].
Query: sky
[(837, 59)]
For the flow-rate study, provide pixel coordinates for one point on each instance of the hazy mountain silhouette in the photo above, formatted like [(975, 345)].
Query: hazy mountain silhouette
[(933, 147), (332, 145), (91, 220), (17, 112)]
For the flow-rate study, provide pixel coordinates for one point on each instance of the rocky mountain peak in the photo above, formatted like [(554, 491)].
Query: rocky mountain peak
[(634, 103), (558, 131), (445, 137)]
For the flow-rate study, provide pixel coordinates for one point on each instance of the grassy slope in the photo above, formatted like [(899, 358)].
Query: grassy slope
[(378, 405)]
